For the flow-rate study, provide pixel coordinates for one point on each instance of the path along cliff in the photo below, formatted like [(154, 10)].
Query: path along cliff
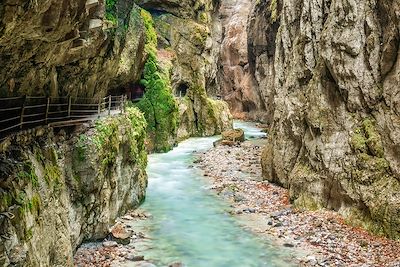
[(323, 74)]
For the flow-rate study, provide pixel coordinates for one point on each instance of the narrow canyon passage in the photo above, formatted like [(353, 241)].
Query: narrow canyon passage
[(322, 77), (190, 224)]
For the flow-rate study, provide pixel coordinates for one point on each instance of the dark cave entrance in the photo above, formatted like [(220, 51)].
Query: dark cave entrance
[(182, 90), (133, 91)]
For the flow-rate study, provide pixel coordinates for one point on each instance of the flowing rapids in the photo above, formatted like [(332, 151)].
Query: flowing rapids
[(189, 223)]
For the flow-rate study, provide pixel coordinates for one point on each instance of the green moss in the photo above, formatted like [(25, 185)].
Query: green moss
[(21, 201), (52, 174), (273, 8), (151, 34), (28, 173), (199, 35), (307, 202), (203, 18), (108, 139), (158, 104), (373, 141), (366, 139), (28, 234), (36, 203), (358, 141), (6, 200), (77, 178), (111, 11), (81, 147)]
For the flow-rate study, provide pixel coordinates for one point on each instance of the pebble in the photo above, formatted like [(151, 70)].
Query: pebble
[(110, 244), (135, 258)]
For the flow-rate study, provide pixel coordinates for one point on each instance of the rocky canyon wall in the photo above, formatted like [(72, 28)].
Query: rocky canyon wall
[(76, 48), (236, 83), (187, 51), (328, 72), (57, 190)]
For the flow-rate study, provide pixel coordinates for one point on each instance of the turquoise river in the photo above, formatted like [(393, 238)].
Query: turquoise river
[(189, 223)]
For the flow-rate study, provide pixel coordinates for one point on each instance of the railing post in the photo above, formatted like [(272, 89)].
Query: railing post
[(99, 109), (109, 105), (22, 113), (121, 104), (69, 106), (47, 109)]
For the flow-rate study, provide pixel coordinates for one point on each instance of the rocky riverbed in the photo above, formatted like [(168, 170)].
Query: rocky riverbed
[(264, 208), (118, 249)]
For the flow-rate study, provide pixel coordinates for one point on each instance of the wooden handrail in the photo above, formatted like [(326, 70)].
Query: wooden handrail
[(32, 111)]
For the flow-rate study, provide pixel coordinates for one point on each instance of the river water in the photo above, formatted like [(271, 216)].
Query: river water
[(189, 223)]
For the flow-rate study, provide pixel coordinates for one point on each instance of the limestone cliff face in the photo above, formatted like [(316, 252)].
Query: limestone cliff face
[(328, 73), (77, 48), (235, 79), (186, 48), (57, 191)]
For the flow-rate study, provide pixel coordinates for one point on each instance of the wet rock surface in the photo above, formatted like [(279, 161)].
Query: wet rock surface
[(264, 208), (55, 193), (328, 73), (111, 253)]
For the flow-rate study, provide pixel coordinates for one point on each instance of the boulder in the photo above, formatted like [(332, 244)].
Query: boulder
[(235, 135), (120, 232)]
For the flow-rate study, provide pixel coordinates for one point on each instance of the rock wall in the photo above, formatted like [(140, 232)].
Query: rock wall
[(57, 190), (236, 82), (187, 51), (72, 47), (328, 73)]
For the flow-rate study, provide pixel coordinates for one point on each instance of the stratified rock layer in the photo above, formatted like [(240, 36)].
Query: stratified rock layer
[(328, 73), (55, 193)]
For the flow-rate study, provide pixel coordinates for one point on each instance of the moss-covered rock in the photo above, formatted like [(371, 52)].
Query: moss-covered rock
[(56, 192), (158, 103)]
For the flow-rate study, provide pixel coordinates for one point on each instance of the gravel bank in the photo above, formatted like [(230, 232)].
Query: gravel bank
[(235, 173)]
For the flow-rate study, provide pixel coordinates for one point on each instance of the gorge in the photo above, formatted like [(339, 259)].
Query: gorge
[(322, 77)]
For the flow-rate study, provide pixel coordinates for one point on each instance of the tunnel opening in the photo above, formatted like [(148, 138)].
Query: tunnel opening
[(133, 91), (182, 90)]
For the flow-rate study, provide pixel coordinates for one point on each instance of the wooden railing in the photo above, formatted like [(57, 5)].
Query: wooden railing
[(20, 113)]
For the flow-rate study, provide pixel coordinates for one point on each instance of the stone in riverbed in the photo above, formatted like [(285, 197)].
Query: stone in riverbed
[(235, 135), (109, 244), (120, 233), (135, 257)]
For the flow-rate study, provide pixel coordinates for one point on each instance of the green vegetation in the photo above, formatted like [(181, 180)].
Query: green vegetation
[(28, 173), (366, 139), (273, 8), (358, 141), (111, 11), (158, 103), (28, 234), (81, 147), (52, 174), (108, 138), (373, 141), (151, 34), (366, 142)]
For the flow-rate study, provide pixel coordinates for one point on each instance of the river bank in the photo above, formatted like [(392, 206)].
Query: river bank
[(183, 223), (264, 208)]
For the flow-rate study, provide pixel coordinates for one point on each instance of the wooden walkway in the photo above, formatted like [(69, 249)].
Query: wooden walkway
[(22, 113)]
